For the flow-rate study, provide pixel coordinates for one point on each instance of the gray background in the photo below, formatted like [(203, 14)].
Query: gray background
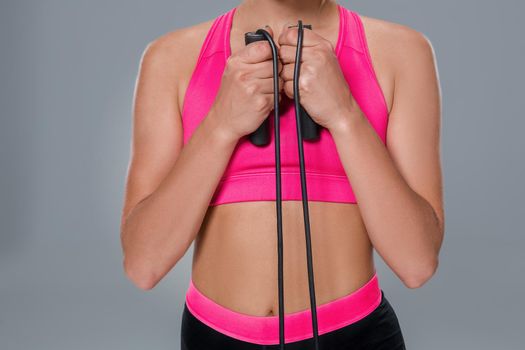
[(67, 74)]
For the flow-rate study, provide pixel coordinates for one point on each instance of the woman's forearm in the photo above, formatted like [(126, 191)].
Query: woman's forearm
[(401, 224), (160, 228)]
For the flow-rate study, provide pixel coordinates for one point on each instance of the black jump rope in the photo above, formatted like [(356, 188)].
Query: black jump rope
[(306, 129)]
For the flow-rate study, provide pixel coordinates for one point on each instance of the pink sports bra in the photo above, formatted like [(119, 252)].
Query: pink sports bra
[(250, 173)]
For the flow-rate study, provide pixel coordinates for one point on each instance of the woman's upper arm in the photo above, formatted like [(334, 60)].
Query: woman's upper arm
[(157, 127), (413, 135)]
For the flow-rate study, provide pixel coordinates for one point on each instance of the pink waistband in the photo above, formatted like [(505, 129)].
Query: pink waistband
[(298, 325)]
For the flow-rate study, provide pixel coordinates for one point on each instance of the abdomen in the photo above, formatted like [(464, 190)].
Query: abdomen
[(235, 255)]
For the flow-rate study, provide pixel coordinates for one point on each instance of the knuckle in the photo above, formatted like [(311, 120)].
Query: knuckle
[(288, 88), (233, 68), (232, 60), (240, 75), (312, 70), (260, 103), (305, 84), (281, 52), (251, 89)]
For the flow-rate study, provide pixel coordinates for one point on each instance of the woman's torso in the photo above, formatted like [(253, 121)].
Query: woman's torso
[(235, 251)]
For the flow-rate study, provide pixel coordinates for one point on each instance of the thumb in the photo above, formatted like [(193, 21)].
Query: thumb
[(268, 29)]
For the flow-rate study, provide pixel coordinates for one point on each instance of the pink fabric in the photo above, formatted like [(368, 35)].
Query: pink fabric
[(298, 325), (250, 173)]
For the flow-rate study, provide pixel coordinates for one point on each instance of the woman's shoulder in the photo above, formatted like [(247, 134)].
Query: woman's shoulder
[(396, 51), (399, 44), (169, 59), (394, 34), (179, 47)]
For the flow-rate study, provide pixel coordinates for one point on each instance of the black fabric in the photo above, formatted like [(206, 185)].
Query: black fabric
[(380, 330)]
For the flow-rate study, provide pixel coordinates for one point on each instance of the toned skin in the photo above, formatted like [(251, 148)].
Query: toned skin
[(398, 187)]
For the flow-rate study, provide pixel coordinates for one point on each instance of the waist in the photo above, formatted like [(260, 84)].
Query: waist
[(298, 325)]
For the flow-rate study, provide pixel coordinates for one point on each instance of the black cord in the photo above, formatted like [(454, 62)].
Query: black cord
[(311, 283), (278, 201)]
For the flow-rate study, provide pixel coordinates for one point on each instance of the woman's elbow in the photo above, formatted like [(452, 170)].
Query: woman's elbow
[(420, 273), (142, 277)]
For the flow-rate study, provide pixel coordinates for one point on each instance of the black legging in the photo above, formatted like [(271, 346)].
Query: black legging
[(379, 330)]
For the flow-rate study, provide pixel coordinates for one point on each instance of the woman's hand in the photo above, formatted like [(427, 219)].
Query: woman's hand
[(246, 95), (324, 92)]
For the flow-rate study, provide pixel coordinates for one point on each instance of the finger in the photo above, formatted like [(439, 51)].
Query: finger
[(267, 84), (256, 52), (287, 54), (283, 38), (290, 33), (264, 69), (269, 30), (288, 88), (287, 72)]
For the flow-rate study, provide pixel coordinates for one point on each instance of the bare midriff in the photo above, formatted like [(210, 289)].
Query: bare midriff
[(235, 255)]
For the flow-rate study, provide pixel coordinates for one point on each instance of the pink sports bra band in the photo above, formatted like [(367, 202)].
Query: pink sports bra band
[(264, 330)]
